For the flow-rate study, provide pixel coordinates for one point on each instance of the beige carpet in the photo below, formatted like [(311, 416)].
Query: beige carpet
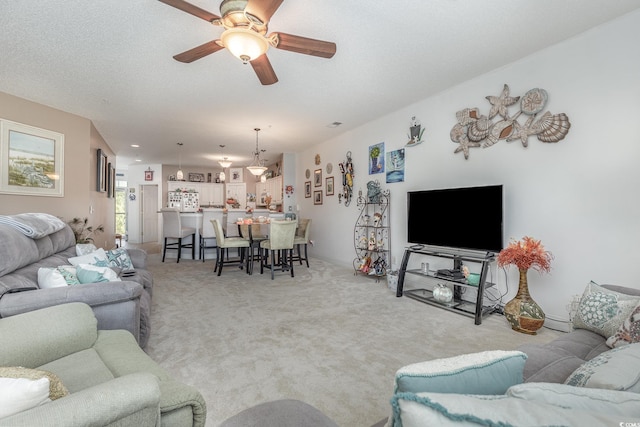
[(327, 337)]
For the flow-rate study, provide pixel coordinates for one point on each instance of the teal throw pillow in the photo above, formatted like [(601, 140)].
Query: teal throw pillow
[(88, 273), (488, 372)]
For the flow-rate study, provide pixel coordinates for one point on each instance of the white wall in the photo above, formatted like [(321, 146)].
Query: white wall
[(579, 196)]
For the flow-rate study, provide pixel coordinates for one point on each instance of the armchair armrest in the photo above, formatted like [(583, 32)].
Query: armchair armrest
[(131, 400), (138, 257)]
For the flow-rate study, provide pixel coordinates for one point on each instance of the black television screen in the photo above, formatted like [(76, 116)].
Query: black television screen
[(465, 218)]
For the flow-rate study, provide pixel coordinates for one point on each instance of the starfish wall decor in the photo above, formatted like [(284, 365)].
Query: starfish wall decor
[(475, 130)]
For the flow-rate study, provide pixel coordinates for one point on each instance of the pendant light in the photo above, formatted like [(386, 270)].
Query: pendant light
[(256, 167), (224, 163), (179, 174)]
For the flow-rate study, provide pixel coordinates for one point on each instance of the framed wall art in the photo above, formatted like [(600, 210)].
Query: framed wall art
[(235, 175), (148, 175), (317, 178), (317, 197), (196, 177), (329, 186), (101, 178), (31, 160), (307, 189), (376, 158)]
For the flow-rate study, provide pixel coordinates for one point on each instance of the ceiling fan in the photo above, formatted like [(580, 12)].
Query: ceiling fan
[(245, 25)]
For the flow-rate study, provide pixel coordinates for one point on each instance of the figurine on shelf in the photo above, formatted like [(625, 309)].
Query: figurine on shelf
[(366, 264), (377, 219), (372, 241)]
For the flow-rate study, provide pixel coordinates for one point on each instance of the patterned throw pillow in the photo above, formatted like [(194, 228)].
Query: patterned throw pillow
[(629, 331), (88, 273), (57, 277), (119, 258), (602, 310), (616, 369), (98, 257)]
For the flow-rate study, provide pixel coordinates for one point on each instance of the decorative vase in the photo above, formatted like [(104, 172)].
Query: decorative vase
[(442, 293), (522, 312)]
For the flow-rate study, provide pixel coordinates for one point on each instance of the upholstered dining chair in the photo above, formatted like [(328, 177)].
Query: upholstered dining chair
[(172, 229), (224, 243), (254, 234), (302, 239), (281, 236)]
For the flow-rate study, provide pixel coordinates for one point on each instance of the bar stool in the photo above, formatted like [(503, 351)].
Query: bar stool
[(302, 238), (207, 233), (172, 229)]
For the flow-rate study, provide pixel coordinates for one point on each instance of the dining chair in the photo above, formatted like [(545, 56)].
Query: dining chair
[(224, 244), (172, 229), (302, 238), (207, 233), (254, 234), (281, 236)]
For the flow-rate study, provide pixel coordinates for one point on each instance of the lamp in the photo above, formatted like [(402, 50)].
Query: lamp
[(224, 163), (256, 167), (179, 174), (244, 43)]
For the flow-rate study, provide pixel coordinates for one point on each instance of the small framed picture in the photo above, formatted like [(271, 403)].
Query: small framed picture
[(317, 178), (317, 197), (307, 189), (235, 175), (148, 175), (329, 186)]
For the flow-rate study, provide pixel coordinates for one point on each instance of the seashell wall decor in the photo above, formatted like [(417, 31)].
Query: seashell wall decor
[(475, 130)]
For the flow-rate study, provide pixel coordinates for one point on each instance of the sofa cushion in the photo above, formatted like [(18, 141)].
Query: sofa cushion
[(616, 369), (580, 398), (603, 310), (80, 370), (489, 372), (629, 331), (439, 409)]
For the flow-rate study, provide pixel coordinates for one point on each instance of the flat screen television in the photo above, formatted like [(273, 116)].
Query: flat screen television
[(465, 218)]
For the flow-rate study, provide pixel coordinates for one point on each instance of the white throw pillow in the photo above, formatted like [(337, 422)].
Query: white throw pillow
[(98, 257), (85, 248), (20, 394)]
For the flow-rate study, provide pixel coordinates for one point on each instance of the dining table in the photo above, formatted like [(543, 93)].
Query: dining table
[(256, 231)]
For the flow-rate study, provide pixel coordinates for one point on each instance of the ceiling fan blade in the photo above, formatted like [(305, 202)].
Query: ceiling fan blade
[(263, 9), (192, 9), (264, 70), (198, 52), (304, 45)]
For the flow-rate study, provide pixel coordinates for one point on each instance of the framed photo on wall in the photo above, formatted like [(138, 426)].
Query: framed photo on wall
[(317, 178), (317, 197), (235, 175), (101, 178), (307, 189), (329, 186), (31, 160)]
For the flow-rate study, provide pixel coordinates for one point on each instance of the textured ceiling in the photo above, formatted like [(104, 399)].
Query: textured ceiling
[(111, 61)]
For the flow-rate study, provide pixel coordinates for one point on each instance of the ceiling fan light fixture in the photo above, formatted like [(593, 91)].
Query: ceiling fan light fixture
[(244, 43)]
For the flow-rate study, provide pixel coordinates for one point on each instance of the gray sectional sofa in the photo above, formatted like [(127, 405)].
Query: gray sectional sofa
[(123, 304)]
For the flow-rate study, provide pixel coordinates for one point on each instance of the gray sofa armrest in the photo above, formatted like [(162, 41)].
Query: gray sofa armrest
[(131, 400), (138, 257), (116, 305)]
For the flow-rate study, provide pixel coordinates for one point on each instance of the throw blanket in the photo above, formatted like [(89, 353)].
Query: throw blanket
[(34, 225)]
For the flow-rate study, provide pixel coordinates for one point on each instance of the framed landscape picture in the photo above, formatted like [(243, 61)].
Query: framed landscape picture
[(31, 160)]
